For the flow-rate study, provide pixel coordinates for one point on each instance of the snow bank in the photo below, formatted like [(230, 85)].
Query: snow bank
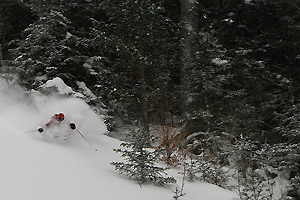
[(58, 84)]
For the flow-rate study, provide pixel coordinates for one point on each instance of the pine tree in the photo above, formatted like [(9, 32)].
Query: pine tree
[(243, 155), (251, 185), (189, 32), (15, 16), (283, 154), (42, 51), (261, 59), (140, 160), (53, 47), (207, 169), (139, 41), (208, 164)]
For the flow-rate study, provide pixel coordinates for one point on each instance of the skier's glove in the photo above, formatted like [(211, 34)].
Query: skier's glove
[(40, 130), (72, 126)]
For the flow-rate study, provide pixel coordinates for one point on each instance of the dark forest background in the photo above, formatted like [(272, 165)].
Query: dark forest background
[(220, 68)]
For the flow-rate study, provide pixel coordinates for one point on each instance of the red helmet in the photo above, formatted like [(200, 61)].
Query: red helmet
[(59, 117)]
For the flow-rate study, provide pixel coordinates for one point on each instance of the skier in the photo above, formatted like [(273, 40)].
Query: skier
[(56, 120), (57, 132)]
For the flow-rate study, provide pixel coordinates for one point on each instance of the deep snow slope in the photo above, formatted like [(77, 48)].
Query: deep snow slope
[(35, 166)]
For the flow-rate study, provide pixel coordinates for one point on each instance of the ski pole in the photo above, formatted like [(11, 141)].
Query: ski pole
[(86, 139), (31, 131)]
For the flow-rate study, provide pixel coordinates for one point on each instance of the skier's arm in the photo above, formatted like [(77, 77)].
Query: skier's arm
[(50, 122), (41, 129)]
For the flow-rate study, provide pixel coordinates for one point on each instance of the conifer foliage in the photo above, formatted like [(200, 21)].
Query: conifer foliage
[(208, 164), (42, 51), (251, 173), (140, 160), (131, 34), (206, 169)]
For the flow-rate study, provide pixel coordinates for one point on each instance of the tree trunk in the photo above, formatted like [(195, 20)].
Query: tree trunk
[(1, 59), (144, 96), (141, 68), (189, 31)]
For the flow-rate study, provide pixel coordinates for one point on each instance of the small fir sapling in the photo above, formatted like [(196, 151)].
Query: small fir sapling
[(207, 165), (249, 164), (206, 169), (140, 160)]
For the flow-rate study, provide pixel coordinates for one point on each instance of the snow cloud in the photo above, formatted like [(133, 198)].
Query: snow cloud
[(29, 110)]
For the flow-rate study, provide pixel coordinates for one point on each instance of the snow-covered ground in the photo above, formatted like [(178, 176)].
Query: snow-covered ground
[(34, 166)]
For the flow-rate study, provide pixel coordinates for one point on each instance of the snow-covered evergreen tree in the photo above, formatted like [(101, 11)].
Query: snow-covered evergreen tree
[(243, 154), (130, 34), (42, 53), (207, 169), (208, 164), (140, 160), (251, 171), (252, 186)]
